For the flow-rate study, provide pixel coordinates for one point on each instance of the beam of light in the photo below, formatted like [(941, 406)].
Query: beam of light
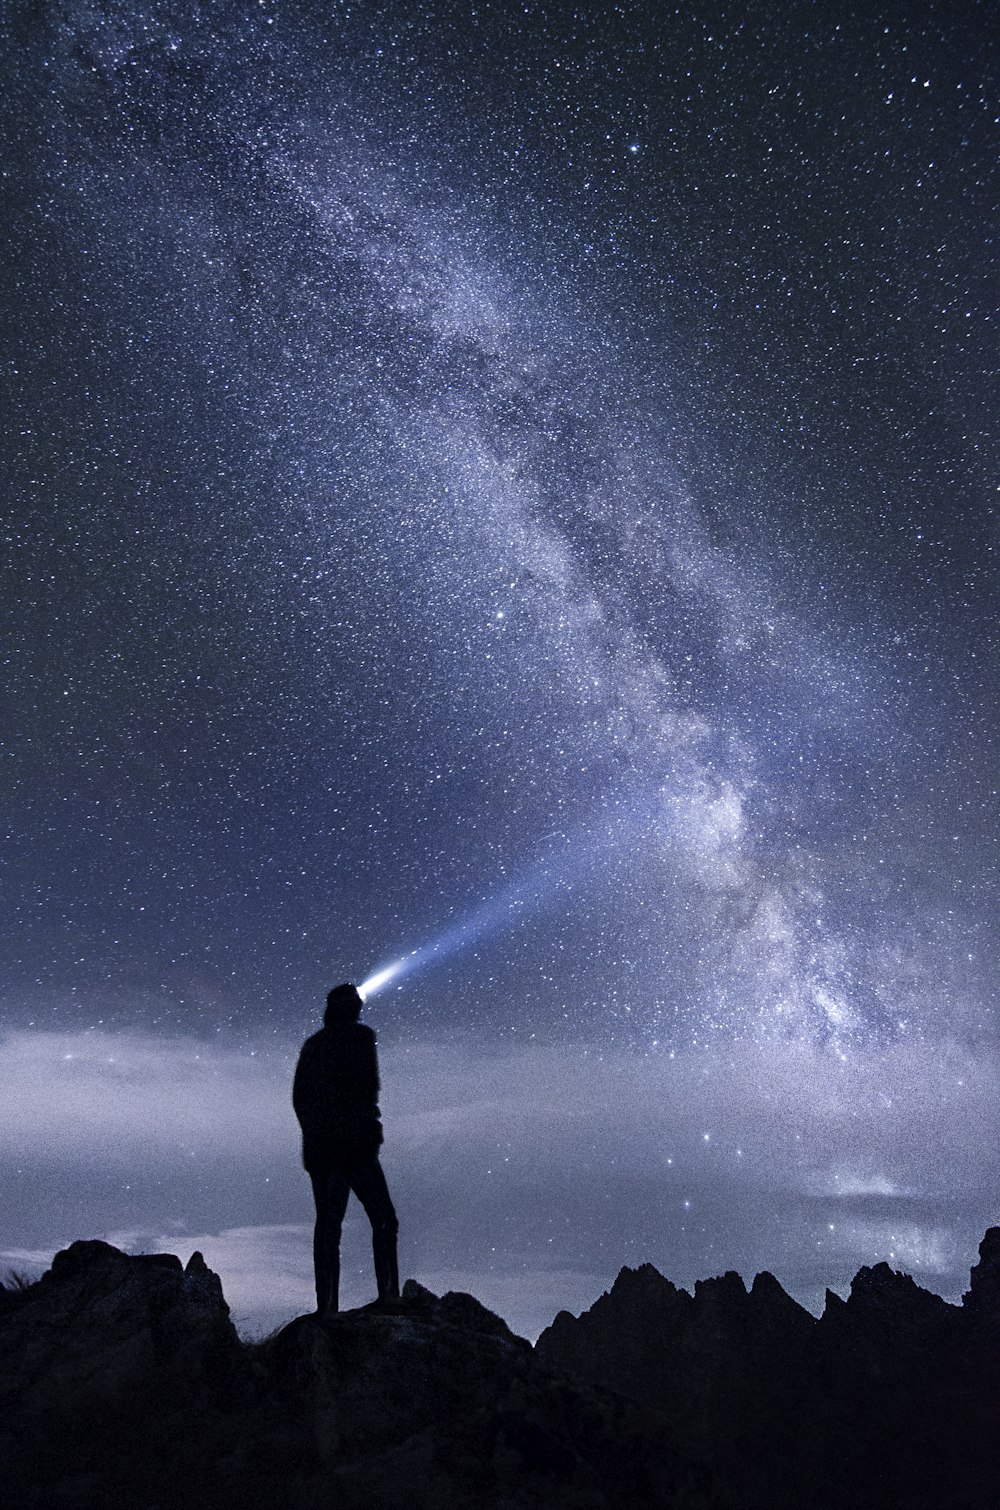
[(513, 903), (552, 872), (381, 978)]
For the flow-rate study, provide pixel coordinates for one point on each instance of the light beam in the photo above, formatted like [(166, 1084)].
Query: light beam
[(518, 900)]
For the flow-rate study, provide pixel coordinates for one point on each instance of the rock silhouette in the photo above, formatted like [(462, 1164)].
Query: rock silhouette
[(124, 1383), (889, 1399)]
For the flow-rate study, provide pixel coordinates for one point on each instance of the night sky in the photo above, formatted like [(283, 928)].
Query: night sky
[(511, 482)]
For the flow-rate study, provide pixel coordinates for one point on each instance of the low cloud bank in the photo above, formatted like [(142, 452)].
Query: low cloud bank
[(528, 1175)]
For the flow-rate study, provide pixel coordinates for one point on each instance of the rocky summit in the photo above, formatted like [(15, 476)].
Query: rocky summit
[(124, 1384)]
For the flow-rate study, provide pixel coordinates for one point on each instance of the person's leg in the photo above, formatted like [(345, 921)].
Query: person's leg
[(331, 1190), (368, 1184)]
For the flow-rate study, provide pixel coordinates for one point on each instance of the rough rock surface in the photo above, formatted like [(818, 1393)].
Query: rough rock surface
[(890, 1400), (123, 1383)]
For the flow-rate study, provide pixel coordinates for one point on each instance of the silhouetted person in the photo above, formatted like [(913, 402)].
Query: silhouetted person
[(335, 1096)]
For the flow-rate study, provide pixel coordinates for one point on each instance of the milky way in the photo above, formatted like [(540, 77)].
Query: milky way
[(514, 488)]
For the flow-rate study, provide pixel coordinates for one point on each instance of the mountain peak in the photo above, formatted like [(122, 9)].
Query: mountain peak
[(983, 1296)]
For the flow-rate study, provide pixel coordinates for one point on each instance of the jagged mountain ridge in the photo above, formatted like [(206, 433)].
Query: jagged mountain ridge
[(890, 1398), (123, 1382)]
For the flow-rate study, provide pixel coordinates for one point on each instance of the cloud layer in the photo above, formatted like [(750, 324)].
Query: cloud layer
[(528, 1176)]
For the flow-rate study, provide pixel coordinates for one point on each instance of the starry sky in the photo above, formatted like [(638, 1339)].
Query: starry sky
[(509, 487)]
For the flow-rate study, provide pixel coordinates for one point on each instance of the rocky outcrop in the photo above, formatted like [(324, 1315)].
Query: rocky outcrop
[(982, 1299), (890, 1399), (123, 1382), (113, 1360), (100, 1326), (654, 1342)]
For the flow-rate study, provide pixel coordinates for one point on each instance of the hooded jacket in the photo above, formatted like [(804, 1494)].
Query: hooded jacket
[(335, 1096)]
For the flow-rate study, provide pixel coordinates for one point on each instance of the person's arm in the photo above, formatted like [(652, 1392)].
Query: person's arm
[(368, 1068), (302, 1088)]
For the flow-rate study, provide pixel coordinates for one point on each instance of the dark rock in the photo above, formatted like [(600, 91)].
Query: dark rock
[(416, 1295), (440, 1404), (776, 1315), (889, 1400), (982, 1299), (893, 1299), (887, 1322), (99, 1326), (123, 1383), (103, 1353)]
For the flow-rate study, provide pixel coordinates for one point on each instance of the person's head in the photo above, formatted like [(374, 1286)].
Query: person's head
[(343, 1004)]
